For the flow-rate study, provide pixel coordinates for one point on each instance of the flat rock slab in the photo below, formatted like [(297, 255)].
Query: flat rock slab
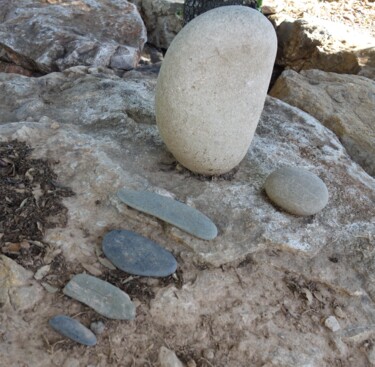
[(138, 255), (101, 154), (103, 297), (171, 211), (297, 191), (73, 329)]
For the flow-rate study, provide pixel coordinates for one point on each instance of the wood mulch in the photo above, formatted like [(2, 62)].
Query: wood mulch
[(31, 201)]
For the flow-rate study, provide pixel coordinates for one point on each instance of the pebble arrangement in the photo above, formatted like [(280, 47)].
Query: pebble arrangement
[(134, 254), (295, 190)]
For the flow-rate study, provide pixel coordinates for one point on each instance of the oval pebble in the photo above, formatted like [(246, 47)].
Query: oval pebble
[(103, 297), (138, 255), (73, 330), (171, 211), (297, 191)]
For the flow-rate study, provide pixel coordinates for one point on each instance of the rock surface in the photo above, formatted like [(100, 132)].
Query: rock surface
[(135, 158), (297, 191), (343, 103), (255, 305), (44, 36), (313, 43), (103, 297), (17, 289), (206, 115), (73, 329), (171, 211), (168, 358), (80, 95), (163, 20), (138, 255)]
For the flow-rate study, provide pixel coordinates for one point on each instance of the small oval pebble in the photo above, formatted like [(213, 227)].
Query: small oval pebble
[(138, 255), (103, 297), (297, 191), (171, 211), (332, 323), (73, 329)]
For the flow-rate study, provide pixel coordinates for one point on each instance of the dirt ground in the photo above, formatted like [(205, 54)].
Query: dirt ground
[(251, 313)]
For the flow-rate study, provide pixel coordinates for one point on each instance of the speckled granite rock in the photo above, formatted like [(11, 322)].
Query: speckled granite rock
[(206, 114)]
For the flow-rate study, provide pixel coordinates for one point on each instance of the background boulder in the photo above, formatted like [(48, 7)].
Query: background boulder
[(343, 103), (44, 36)]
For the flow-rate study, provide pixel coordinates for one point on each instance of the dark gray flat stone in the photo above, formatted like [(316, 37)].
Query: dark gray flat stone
[(73, 329), (297, 191), (138, 255), (103, 297), (171, 211)]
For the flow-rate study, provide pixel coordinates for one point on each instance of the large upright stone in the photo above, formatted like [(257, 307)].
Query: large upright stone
[(212, 87)]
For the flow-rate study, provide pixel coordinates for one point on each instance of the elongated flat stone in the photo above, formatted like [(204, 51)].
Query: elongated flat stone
[(171, 211), (73, 329), (138, 255), (103, 297)]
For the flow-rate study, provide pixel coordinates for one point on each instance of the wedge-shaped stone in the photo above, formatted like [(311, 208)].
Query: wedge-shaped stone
[(103, 297), (138, 255), (171, 211), (73, 329)]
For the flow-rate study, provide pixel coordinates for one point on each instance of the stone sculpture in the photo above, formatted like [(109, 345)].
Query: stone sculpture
[(212, 87)]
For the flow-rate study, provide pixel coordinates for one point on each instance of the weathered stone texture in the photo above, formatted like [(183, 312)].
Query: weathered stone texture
[(44, 36), (343, 103), (313, 43)]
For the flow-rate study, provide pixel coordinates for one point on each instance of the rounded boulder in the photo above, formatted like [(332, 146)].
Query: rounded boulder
[(212, 86)]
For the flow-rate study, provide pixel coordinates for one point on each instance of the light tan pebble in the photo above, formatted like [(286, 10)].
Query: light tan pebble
[(42, 272), (49, 288), (44, 120), (191, 363), (339, 312), (332, 323), (168, 358), (55, 125), (92, 269), (208, 354)]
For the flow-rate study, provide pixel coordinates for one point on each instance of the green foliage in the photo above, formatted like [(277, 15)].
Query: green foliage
[(259, 4)]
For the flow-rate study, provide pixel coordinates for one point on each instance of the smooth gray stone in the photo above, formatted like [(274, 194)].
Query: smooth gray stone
[(171, 211), (138, 255), (73, 329), (103, 297), (297, 191)]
